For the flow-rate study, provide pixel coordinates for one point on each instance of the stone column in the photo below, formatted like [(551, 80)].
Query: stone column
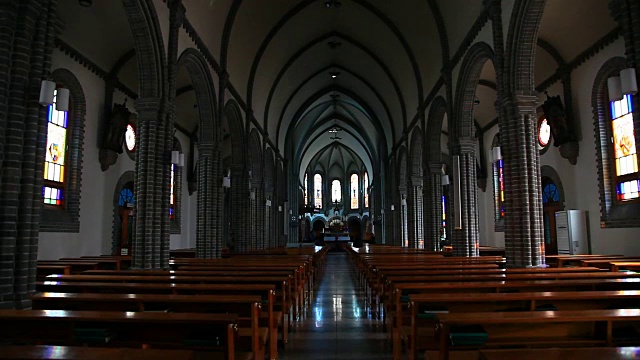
[(465, 240), (433, 207), (524, 236)]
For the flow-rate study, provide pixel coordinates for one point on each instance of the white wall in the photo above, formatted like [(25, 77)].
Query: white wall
[(96, 196), (98, 187), (580, 182)]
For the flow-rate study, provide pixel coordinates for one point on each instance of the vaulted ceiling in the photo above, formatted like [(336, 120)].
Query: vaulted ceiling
[(281, 54)]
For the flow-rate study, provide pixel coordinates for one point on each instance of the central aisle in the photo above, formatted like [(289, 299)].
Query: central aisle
[(337, 325)]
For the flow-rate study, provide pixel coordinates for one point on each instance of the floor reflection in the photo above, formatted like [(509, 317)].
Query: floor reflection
[(337, 325)]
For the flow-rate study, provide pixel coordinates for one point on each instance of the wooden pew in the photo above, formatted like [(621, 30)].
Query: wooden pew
[(76, 266), (608, 353), (266, 291), (246, 306), (43, 271), (627, 265), (397, 303), (585, 328), (564, 260), (36, 352), (215, 332), (103, 262), (424, 307), (605, 264)]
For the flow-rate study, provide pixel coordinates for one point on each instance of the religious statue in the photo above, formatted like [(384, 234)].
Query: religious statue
[(556, 117), (114, 135)]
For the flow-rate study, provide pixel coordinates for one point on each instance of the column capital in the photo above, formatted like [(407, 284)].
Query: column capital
[(464, 145)]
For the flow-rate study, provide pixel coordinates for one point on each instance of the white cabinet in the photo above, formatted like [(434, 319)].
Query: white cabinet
[(572, 232)]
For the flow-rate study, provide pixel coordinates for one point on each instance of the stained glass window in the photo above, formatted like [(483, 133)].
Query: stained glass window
[(624, 148), (336, 191), (317, 187), (544, 133), (366, 189), (550, 194), (126, 197), (172, 212), (498, 189), (54, 164), (306, 188), (354, 191), (444, 218), (130, 138)]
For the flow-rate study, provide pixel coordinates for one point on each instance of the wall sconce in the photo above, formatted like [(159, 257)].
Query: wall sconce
[(268, 203), (393, 207), (625, 83), (404, 202), (444, 177), (496, 153), (226, 180), (279, 208), (48, 92), (177, 158), (252, 194)]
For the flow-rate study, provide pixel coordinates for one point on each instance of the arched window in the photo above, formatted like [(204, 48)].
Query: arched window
[(443, 237), (53, 191), (366, 190), (306, 190), (317, 186), (336, 191), (354, 191), (550, 193), (498, 185), (624, 149)]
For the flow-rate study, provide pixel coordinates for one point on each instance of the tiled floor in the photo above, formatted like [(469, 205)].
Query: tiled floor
[(337, 325)]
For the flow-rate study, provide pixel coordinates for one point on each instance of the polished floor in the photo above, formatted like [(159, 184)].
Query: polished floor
[(337, 325)]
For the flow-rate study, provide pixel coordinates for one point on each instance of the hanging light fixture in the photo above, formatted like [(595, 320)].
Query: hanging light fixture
[(47, 92), (444, 176), (496, 153), (615, 88), (62, 99), (628, 81)]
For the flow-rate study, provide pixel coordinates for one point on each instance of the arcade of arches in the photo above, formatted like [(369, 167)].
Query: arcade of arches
[(233, 126)]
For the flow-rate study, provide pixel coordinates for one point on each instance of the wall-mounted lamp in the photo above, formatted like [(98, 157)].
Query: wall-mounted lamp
[(252, 194), (496, 153), (226, 180), (444, 178), (393, 207), (625, 83), (404, 202), (48, 92), (279, 208), (268, 203), (177, 158)]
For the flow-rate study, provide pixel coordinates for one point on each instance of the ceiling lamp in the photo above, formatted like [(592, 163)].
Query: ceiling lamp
[(334, 74), (85, 3), (334, 3)]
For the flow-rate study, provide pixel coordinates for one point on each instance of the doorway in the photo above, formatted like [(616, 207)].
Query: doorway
[(551, 203)]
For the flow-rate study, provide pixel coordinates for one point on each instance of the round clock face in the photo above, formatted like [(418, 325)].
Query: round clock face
[(544, 133), (130, 138)]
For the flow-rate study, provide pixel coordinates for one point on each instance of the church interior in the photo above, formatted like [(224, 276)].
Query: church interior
[(319, 179)]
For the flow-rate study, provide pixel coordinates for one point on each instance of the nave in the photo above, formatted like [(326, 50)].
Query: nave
[(337, 325)]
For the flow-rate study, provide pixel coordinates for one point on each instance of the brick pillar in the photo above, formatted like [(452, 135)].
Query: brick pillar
[(524, 237), (210, 203), (150, 245), (415, 212), (240, 208), (433, 207), (465, 240), (27, 32)]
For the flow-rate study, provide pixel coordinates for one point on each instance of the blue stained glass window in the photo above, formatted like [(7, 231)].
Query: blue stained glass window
[(126, 197), (550, 194)]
